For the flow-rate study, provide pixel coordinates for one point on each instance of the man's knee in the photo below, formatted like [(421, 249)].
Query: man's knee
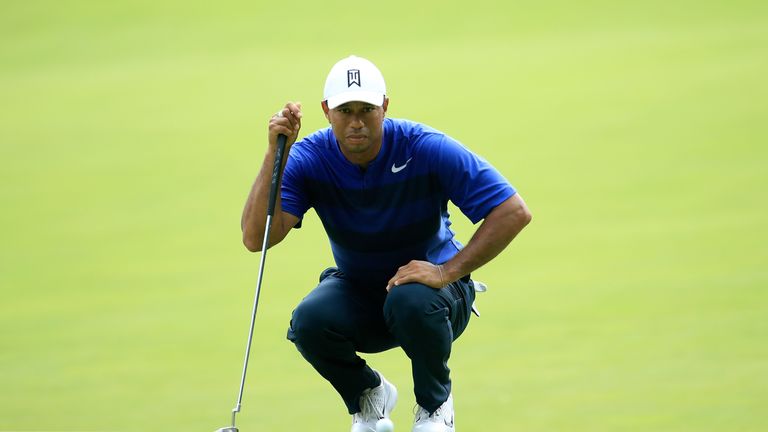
[(409, 304), (310, 322)]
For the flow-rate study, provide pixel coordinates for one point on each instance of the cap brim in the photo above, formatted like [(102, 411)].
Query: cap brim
[(372, 98)]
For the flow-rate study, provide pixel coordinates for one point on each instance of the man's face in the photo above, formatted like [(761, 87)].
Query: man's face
[(358, 128)]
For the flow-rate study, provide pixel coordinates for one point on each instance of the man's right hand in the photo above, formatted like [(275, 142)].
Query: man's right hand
[(287, 122)]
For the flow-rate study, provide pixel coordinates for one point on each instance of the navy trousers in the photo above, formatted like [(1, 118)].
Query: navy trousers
[(342, 317)]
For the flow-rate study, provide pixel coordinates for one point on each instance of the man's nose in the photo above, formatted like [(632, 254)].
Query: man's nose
[(357, 121)]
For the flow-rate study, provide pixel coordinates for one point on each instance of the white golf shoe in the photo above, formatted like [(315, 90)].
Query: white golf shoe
[(375, 404), (440, 420)]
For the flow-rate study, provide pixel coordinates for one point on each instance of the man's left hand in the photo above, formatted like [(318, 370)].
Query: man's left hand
[(422, 272)]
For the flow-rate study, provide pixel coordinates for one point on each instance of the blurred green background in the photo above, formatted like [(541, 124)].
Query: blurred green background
[(130, 133)]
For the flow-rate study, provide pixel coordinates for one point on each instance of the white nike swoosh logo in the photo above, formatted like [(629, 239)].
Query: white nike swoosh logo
[(397, 169)]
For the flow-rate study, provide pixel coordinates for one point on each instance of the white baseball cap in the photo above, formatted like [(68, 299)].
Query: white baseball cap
[(354, 79)]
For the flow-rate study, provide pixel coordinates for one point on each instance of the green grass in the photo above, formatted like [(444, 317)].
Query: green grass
[(130, 133)]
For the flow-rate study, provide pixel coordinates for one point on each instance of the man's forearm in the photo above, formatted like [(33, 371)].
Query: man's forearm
[(498, 229), (254, 216)]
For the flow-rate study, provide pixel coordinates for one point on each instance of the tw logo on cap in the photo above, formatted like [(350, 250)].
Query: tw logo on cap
[(353, 77)]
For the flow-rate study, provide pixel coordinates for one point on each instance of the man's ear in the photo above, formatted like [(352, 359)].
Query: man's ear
[(324, 104), (385, 104)]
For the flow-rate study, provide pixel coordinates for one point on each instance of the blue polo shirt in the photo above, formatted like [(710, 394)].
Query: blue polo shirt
[(394, 211)]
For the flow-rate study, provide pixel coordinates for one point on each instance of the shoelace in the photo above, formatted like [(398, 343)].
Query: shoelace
[(422, 414), (368, 405)]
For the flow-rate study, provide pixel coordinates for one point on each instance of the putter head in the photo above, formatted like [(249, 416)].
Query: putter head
[(227, 429)]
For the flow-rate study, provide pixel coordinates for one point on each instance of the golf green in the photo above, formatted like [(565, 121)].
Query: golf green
[(130, 133)]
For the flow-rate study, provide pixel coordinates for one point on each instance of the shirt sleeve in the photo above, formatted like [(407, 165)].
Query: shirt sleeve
[(293, 195), (469, 181)]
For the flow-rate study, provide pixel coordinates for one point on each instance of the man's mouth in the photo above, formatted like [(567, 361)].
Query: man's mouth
[(356, 138)]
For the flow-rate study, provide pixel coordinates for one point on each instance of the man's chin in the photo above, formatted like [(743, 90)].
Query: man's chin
[(357, 146)]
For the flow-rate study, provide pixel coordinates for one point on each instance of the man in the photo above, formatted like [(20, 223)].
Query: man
[(380, 187)]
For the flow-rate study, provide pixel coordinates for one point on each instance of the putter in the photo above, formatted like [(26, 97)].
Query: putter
[(281, 139)]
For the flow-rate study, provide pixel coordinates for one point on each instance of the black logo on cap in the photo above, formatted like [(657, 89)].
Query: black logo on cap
[(353, 77)]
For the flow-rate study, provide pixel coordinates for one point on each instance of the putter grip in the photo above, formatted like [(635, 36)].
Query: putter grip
[(281, 139)]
